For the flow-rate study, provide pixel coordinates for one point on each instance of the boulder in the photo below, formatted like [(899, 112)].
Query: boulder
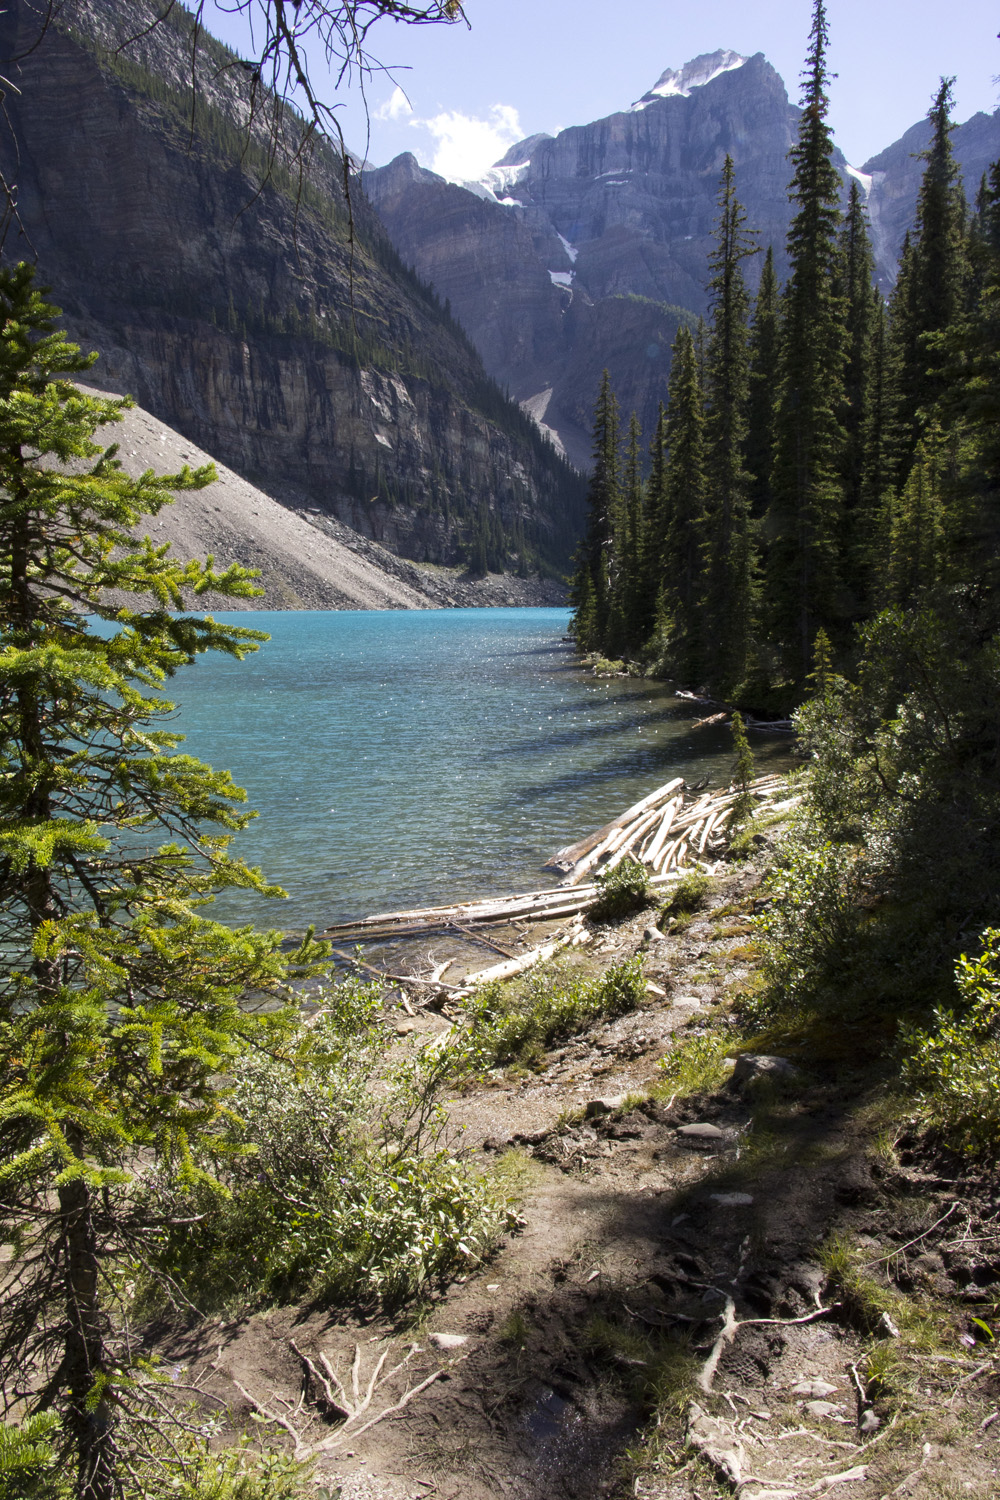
[(752, 1071), (701, 1135), (606, 1106)]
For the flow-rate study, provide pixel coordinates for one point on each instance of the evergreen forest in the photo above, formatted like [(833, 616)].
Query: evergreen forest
[(822, 456)]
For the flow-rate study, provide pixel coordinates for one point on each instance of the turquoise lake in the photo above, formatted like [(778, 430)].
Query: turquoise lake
[(403, 757)]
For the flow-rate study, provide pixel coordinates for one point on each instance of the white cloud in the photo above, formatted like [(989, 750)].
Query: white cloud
[(396, 107), (465, 146)]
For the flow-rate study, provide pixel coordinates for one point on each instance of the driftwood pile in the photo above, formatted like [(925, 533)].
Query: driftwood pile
[(660, 831)]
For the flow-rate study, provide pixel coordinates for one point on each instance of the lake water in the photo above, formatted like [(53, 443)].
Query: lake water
[(404, 757)]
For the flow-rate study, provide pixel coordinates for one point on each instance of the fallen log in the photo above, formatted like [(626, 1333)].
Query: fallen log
[(498, 908), (516, 965), (660, 837), (570, 856), (627, 845)]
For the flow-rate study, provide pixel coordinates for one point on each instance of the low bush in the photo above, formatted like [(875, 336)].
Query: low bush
[(179, 1465), (954, 1065), (688, 895), (621, 891), (897, 853), (505, 1027), (695, 1066), (341, 1182)]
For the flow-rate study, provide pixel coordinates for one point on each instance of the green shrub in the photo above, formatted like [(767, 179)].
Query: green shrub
[(695, 1065), (194, 1472), (688, 895), (902, 816), (504, 1027), (954, 1065), (341, 1181), (621, 890), (810, 928)]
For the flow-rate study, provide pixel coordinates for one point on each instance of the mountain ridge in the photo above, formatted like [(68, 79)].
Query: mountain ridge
[(259, 319), (624, 207)]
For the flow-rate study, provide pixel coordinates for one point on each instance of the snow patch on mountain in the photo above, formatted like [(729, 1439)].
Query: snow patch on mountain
[(571, 250), (498, 181), (863, 178), (562, 278), (694, 75)]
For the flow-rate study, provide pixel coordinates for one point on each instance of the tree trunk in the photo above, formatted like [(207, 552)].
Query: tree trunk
[(86, 1359)]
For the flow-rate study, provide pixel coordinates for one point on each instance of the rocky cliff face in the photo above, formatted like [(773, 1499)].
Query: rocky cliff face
[(239, 311), (895, 175), (545, 262), (545, 259)]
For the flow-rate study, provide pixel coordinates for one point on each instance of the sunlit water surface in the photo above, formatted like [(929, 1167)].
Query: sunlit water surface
[(410, 757)]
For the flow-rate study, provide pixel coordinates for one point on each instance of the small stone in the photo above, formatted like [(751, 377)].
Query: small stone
[(493, 1286), (823, 1409), (688, 1002), (731, 1200), (654, 989), (606, 1106), (448, 1340), (405, 1027), (869, 1421), (702, 1131), (816, 1389)]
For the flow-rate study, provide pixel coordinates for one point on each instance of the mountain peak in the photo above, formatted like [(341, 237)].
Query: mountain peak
[(694, 75)]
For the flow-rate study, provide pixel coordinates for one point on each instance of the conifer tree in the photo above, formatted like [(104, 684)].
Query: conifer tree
[(917, 527), (932, 285), (969, 352), (680, 609), (626, 607), (856, 285), (655, 525), (729, 551), (742, 774), (603, 500), (805, 515), (870, 558), (121, 1006), (762, 401), (857, 277)]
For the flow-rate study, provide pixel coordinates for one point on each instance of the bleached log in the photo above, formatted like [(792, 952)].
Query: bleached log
[(666, 856), (513, 965), (660, 837), (628, 844), (571, 855), (495, 909), (711, 824)]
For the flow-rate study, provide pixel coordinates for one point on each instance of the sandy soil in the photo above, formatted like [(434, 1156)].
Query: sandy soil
[(306, 560)]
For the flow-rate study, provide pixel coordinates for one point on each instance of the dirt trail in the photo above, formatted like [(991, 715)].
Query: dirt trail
[(635, 1235)]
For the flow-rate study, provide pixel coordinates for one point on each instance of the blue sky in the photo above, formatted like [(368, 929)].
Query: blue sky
[(458, 96)]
